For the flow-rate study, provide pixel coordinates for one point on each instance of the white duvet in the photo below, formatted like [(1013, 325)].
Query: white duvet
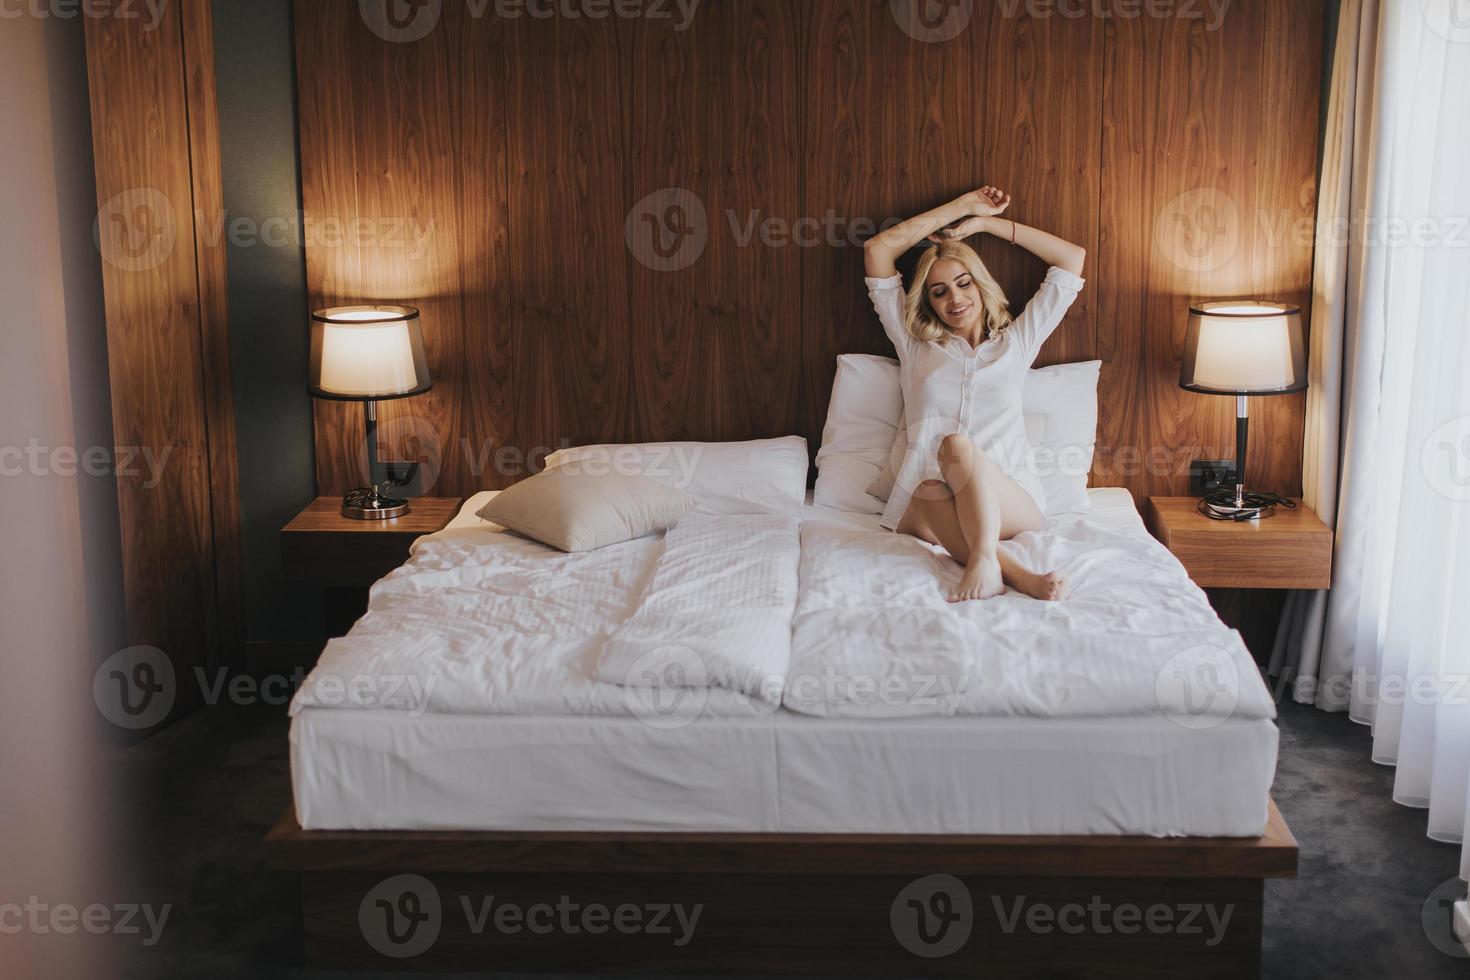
[(482, 621), (875, 637), (717, 612)]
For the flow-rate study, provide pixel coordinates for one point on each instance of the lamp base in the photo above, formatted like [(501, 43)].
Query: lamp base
[(367, 504), (1241, 505)]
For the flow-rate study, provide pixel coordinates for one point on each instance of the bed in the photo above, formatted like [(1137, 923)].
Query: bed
[(745, 769), (1048, 786)]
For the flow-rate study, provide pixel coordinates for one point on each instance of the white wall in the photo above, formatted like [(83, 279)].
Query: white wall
[(60, 570)]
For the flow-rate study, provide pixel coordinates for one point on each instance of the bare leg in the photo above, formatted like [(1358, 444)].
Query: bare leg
[(966, 471), (934, 516)]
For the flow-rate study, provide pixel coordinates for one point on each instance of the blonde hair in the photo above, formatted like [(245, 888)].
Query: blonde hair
[(920, 317)]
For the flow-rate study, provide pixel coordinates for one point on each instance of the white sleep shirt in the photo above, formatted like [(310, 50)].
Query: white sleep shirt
[(949, 388)]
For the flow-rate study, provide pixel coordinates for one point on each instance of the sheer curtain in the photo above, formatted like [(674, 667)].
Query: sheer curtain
[(1388, 425)]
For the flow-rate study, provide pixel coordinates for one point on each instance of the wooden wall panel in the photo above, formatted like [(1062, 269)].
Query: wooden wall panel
[(890, 130), (197, 27), (712, 130), (534, 146), (1039, 127), (404, 192), (157, 172), (569, 275), (1208, 184)]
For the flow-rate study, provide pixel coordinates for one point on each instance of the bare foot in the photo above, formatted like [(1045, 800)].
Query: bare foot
[(982, 579), (1049, 586)]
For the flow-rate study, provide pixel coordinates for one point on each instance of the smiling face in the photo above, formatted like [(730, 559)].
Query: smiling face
[(954, 295)]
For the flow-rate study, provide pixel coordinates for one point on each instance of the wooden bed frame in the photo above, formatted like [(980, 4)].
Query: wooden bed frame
[(785, 903)]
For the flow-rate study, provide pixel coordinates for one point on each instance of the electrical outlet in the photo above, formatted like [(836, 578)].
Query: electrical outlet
[(1206, 475), (406, 475)]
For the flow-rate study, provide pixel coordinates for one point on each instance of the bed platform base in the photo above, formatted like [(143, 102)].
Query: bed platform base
[(997, 906)]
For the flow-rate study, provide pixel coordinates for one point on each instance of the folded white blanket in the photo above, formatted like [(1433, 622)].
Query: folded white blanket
[(875, 637), (717, 612), (481, 621)]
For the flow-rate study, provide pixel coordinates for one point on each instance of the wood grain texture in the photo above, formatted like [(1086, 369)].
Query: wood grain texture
[(1291, 549), (790, 924), (1040, 122), (819, 903), (322, 547), (890, 130), (404, 192), (1200, 200), (168, 348), (532, 146), (715, 344), (569, 263), (1272, 855), (197, 24)]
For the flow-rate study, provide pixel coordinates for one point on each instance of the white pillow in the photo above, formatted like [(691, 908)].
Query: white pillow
[(572, 511), (861, 418), (1059, 406), (763, 476)]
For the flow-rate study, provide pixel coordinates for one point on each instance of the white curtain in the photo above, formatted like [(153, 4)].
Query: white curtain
[(1388, 418)]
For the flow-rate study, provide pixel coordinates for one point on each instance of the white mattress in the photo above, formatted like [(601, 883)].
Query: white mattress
[(784, 772)]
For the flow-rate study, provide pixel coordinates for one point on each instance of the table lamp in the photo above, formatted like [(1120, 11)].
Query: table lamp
[(1243, 348), (369, 354)]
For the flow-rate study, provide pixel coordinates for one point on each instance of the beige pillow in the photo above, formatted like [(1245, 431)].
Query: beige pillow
[(576, 512)]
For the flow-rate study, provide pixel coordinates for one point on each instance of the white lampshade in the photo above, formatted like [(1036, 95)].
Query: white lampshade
[(367, 352), (1244, 348)]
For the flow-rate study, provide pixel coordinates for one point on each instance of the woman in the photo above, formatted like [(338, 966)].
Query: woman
[(966, 483)]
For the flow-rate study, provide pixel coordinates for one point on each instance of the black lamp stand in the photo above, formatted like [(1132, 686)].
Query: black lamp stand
[(372, 503), (1241, 504)]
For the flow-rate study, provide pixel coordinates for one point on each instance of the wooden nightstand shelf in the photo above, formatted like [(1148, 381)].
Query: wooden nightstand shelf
[(345, 556), (1292, 549)]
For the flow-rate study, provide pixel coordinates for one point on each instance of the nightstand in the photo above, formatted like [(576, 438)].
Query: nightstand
[(1291, 549), (346, 556), (1245, 567)]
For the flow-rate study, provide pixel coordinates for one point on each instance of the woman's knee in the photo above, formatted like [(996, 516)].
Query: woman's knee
[(956, 447), (931, 492)]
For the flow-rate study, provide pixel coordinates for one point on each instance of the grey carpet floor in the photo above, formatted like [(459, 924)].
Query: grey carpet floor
[(200, 796)]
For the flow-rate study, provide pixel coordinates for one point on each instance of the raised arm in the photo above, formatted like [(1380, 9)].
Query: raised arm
[(881, 252), (1044, 245)]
